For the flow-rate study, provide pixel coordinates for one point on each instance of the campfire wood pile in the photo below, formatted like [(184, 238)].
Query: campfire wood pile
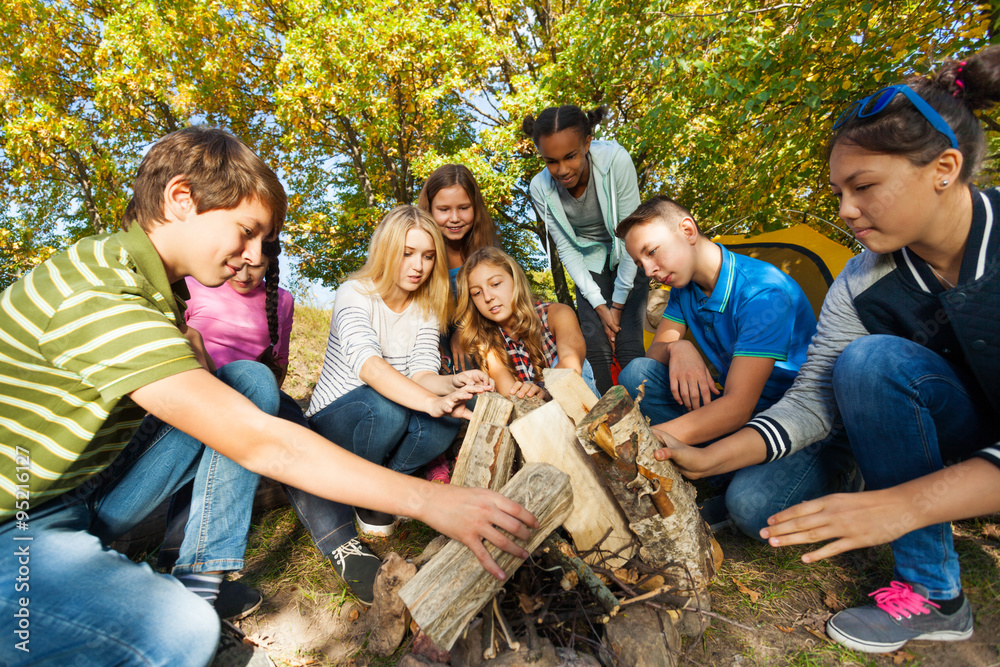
[(586, 465)]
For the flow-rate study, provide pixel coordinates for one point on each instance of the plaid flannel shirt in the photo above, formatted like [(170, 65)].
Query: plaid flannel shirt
[(519, 353)]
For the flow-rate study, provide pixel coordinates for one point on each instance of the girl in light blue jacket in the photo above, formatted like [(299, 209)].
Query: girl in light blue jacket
[(586, 189)]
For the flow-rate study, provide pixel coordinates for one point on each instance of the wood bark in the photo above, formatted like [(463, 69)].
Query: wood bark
[(453, 587), (387, 620), (487, 453), (522, 406), (547, 435), (570, 391), (658, 501)]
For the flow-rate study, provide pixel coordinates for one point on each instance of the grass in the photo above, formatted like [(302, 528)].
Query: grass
[(310, 330)]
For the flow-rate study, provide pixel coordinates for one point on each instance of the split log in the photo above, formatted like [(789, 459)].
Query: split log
[(568, 389), (658, 501), (547, 435), (453, 587), (487, 454)]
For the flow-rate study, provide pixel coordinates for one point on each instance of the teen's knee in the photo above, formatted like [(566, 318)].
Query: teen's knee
[(255, 381), (188, 626), (869, 359), (637, 370)]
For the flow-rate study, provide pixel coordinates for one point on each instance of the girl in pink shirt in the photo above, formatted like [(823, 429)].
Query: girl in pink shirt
[(248, 317)]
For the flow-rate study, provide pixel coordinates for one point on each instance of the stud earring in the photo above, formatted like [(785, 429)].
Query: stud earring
[(944, 183)]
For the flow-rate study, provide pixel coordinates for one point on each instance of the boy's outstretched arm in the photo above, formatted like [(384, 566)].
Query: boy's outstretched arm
[(854, 520), (744, 384), (205, 408)]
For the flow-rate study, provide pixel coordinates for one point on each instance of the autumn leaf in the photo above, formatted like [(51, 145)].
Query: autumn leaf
[(901, 656), (831, 601), (260, 641), (753, 595), (530, 603)]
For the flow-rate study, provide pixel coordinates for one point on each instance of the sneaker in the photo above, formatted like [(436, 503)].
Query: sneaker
[(901, 612), (236, 600), (376, 524), (437, 471), (232, 652), (357, 565), (714, 513)]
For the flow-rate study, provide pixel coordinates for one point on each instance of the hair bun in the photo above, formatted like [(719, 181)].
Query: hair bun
[(528, 125), (975, 81), (596, 115)]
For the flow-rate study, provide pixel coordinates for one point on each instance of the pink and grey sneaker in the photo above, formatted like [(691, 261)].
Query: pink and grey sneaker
[(437, 471), (902, 612)]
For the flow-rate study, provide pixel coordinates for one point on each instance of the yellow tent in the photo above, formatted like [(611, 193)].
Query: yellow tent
[(812, 259)]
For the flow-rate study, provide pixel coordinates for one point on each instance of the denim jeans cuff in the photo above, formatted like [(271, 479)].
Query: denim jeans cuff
[(336, 538), (215, 565)]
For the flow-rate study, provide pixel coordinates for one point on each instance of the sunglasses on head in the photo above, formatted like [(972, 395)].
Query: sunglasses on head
[(877, 102)]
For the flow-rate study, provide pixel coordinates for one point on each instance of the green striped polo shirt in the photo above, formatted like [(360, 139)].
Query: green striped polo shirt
[(77, 335)]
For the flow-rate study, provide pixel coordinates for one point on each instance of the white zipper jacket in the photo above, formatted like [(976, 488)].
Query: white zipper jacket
[(618, 194)]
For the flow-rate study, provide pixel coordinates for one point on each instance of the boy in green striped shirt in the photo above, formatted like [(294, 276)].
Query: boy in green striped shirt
[(92, 340)]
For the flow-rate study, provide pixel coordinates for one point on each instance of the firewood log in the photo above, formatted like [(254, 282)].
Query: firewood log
[(453, 587)]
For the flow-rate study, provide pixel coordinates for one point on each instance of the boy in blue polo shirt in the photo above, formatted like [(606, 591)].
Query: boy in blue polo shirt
[(754, 323)]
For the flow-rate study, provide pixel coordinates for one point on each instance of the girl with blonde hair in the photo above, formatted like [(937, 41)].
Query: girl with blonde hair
[(512, 335), (379, 394)]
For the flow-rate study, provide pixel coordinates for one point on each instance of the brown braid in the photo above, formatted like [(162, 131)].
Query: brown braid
[(271, 250)]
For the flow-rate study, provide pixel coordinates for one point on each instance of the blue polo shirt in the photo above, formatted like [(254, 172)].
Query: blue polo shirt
[(755, 310)]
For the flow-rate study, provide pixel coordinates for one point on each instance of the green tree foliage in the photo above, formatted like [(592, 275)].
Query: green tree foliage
[(723, 105), (728, 106)]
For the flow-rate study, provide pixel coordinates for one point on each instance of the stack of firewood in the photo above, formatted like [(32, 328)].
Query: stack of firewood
[(586, 465)]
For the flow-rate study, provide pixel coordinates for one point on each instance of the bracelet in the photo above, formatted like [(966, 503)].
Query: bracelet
[(612, 306)]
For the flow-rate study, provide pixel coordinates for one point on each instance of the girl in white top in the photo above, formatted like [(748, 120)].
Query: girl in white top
[(380, 394)]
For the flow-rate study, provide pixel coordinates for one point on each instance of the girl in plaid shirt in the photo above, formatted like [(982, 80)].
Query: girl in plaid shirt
[(510, 334)]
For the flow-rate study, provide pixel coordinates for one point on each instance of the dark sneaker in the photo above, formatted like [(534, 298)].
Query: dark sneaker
[(714, 513), (236, 600), (376, 524), (357, 565), (901, 613), (232, 652)]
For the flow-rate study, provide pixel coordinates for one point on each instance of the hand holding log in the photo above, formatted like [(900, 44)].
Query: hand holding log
[(452, 588), (472, 515)]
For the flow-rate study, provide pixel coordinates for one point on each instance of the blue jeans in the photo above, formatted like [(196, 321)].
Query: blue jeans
[(368, 424), (90, 605), (588, 377), (179, 513), (909, 413), (756, 492)]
